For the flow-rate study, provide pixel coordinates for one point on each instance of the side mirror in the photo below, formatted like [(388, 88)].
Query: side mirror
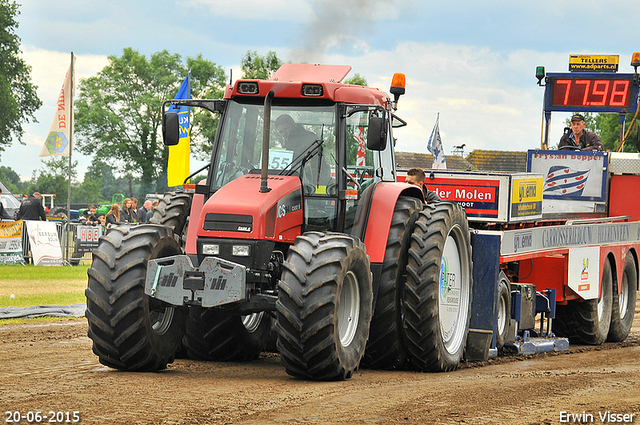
[(377, 134), (170, 129)]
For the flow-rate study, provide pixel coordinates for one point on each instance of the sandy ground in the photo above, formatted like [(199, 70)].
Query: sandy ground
[(51, 368)]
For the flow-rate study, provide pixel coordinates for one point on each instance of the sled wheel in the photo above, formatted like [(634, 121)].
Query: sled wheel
[(131, 331), (324, 306), (213, 336), (504, 310), (587, 322), (438, 288), (624, 303), (386, 347)]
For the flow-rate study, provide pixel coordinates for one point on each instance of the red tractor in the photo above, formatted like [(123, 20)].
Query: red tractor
[(301, 221)]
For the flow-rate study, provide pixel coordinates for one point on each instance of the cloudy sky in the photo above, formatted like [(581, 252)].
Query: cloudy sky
[(472, 62)]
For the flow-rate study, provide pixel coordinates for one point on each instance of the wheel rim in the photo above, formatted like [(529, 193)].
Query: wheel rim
[(606, 282), (623, 297), (453, 293), (252, 321), (348, 309), (161, 321), (502, 315)]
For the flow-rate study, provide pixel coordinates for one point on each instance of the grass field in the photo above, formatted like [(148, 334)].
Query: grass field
[(24, 286)]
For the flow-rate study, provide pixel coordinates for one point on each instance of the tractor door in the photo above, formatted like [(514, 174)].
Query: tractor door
[(364, 167)]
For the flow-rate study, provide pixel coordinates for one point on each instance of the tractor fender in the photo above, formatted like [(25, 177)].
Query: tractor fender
[(192, 231), (373, 229)]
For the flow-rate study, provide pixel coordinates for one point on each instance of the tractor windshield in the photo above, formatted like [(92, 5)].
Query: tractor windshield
[(302, 142)]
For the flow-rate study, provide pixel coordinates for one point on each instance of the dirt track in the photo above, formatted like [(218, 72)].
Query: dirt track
[(51, 368)]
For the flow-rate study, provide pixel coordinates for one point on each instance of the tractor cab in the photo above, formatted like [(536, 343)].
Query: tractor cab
[(319, 133)]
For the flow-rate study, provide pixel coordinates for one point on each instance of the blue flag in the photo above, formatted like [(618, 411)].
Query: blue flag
[(178, 167)]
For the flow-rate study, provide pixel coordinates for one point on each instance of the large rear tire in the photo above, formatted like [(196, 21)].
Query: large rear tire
[(438, 288), (386, 348), (587, 322), (173, 211), (219, 337), (131, 331), (623, 305), (324, 306)]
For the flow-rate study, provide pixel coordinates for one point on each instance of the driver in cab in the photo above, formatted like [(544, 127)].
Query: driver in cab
[(297, 139), (579, 138)]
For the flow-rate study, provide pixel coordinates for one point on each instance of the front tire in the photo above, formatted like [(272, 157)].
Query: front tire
[(214, 336), (386, 347), (131, 331), (624, 304), (324, 306), (438, 288)]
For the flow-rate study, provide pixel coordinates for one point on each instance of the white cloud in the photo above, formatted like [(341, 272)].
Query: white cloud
[(48, 69), (253, 10), (485, 99)]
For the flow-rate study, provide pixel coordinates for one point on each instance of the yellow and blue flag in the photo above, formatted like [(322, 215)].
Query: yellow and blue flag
[(178, 167)]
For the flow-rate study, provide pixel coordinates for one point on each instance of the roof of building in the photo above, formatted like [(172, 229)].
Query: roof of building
[(406, 160), (484, 160)]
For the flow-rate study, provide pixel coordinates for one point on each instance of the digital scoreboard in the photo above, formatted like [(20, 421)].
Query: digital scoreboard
[(591, 92)]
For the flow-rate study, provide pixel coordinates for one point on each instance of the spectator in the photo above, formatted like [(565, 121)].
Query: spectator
[(32, 209), (103, 221), (93, 218), (134, 211), (113, 216), (416, 176), (84, 218), (143, 210), (128, 214), (1, 207), (154, 205)]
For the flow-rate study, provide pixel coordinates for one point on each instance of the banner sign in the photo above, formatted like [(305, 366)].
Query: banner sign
[(58, 140), (576, 175), (87, 238), (11, 242), (526, 196), (479, 197), (568, 236), (45, 245), (591, 63), (584, 271)]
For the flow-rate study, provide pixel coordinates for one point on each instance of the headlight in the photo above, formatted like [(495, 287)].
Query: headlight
[(211, 249), (240, 250)]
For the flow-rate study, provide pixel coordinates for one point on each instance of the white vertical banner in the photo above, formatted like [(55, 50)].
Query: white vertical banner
[(435, 147), (58, 140), (45, 245)]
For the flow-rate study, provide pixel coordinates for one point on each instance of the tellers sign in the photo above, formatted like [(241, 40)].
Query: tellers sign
[(592, 93)]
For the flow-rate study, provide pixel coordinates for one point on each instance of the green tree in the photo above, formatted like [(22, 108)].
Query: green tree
[(119, 113), (18, 96), (608, 128), (10, 179), (257, 67), (357, 80), (54, 178)]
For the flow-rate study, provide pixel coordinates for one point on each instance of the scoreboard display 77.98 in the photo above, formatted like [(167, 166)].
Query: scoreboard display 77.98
[(591, 92)]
